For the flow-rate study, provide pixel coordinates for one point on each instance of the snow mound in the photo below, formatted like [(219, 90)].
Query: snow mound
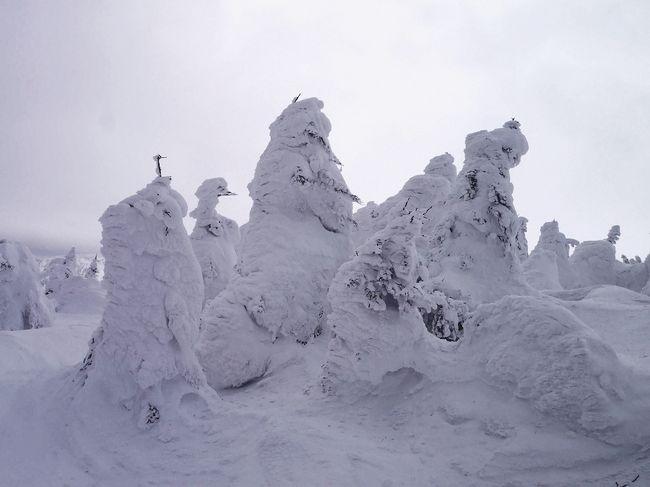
[(142, 356), (542, 353), (22, 301), (425, 192), (297, 237), (214, 238), (474, 247)]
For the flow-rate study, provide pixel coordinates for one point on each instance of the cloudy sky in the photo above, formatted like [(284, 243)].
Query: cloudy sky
[(90, 91)]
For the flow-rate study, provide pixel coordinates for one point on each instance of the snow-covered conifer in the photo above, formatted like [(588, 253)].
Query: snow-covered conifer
[(22, 302), (475, 244), (297, 236), (548, 267), (614, 234), (143, 354), (214, 238), (425, 192), (382, 310), (93, 269), (594, 262), (522, 241)]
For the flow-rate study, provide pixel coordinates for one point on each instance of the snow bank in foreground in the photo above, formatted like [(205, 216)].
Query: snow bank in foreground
[(22, 301), (542, 353), (214, 237), (143, 355), (475, 247), (295, 240)]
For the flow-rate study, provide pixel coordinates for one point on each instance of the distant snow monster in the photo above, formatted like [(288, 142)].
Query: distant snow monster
[(475, 246), (426, 192), (92, 272), (381, 311), (214, 237), (22, 301), (58, 270), (547, 267), (297, 236), (143, 354)]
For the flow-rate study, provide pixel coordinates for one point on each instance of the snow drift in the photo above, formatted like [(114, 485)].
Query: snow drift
[(22, 301), (142, 356), (295, 240), (542, 353)]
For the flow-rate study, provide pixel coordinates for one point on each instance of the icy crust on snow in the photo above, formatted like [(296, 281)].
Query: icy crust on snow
[(425, 192), (214, 238), (143, 353), (474, 247), (544, 354), (22, 301), (379, 302), (297, 237)]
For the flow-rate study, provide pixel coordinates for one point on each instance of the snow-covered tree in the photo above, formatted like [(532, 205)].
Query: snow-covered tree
[(594, 262), (59, 269), (475, 244), (93, 269), (425, 192), (214, 238), (548, 267), (297, 236), (143, 354), (614, 234), (22, 302), (381, 311)]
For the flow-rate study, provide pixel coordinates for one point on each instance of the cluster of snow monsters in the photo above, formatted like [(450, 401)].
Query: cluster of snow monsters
[(439, 260)]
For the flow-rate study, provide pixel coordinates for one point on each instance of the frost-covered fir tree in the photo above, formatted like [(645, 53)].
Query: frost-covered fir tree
[(143, 354), (93, 269), (475, 244), (426, 192), (594, 262), (548, 264), (214, 238), (379, 308), (58, 270), (614, 234), (297, 237), (22, 303)]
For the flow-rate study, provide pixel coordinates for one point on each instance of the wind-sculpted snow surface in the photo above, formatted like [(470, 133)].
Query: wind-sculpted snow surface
[(22, 301), (214, 238), (542, 353), (378, 305), (475, 245), (142, 356), (426, 192), (297, 237)]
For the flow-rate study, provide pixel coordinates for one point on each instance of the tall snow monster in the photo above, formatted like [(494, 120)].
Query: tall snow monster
[(297, 236), (143, 354)]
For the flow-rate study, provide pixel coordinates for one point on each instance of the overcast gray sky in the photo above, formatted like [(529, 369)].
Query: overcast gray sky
[(90, 91)]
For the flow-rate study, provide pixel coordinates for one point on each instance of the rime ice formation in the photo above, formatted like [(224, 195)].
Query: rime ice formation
[(426, 192), (522, 241), (614, 234), (548, 265), (58, 270), (22, 303), (378, 303), (143, 354), (214, 237), (295, 240), (475, 246), (542, 353)]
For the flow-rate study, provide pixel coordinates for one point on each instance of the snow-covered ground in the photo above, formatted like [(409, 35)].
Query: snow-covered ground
[(282, 430)]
